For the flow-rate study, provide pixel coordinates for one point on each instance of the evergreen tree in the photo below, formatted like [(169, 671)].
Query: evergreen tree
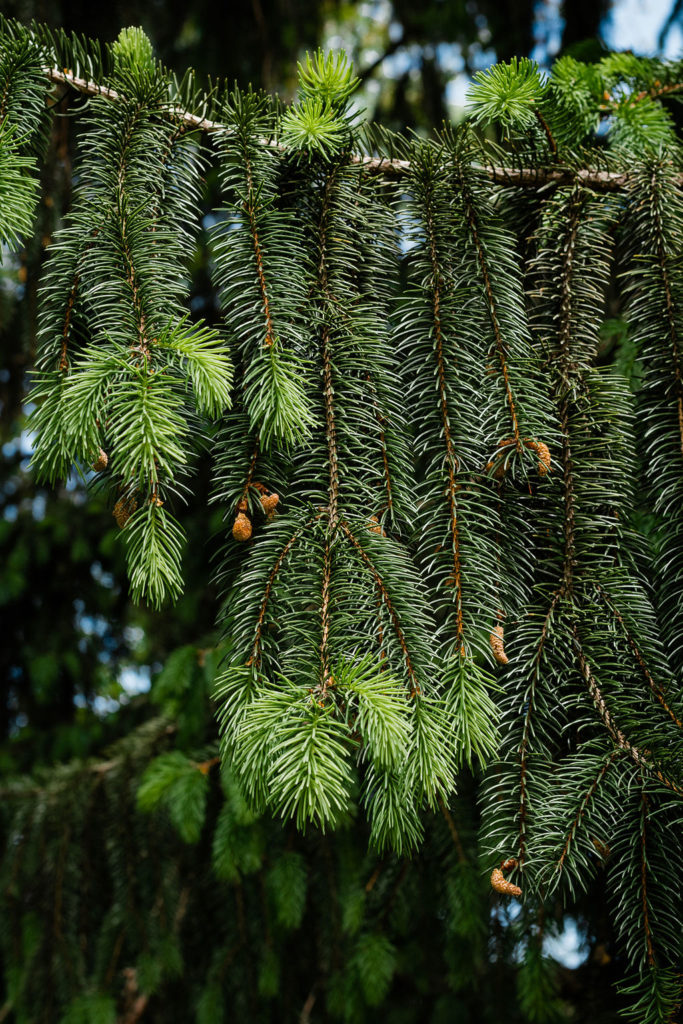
[(439, 569)]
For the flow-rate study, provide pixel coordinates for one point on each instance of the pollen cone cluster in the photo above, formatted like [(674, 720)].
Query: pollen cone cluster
[(496, 641), (269, 503), (241, 528), (499, 461), (101, 462), (123, 510), (500, 883)]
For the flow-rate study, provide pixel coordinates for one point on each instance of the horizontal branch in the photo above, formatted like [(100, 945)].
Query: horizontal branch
[(88, 88), (519, 177)]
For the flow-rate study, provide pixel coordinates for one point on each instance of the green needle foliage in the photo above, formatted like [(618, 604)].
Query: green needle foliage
[(123, 374), (23, 90), (453, 543)]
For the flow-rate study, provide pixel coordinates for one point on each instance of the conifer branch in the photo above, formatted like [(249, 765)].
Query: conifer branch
[(520, 177), (548, 133), (565, 368), (255, 657), (493, 312), (674, 340), (618, 737), (451, 458), (251, 216), (63, 354), (381, 421), (584, 803), (330, 435), (328, 388), (526, 730), (87, 87), (250, 475), (416, 689), (655, 687), (647, 925), (385, 462)]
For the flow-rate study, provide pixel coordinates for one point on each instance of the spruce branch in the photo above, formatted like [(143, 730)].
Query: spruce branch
[(582, 809), (655, 687), (597, 179), (616, 734)]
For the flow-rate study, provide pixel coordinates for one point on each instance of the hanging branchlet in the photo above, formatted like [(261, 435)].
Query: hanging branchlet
[(24, 122), (119, 357), (326, 666), (262, 274), (653, 231)]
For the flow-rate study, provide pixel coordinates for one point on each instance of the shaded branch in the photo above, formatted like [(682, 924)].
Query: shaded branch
[(614, 731)]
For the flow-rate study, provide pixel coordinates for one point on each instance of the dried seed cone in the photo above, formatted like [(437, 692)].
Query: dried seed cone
[(101, 462), (241, 528), (123, 510), (500, 883), (496, 641)]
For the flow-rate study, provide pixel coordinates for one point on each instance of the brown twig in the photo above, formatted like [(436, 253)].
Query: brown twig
[(493, 312), (662, 257), (258, 254), (548, 134), (521, 177), (255, 657), (526, 730), (647, 927), (565, 364), (370, 884), (250, 474)]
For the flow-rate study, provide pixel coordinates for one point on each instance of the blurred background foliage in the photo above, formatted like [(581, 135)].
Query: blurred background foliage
[(77, 659)]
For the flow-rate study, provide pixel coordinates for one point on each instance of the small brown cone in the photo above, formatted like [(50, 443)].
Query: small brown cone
[(544, 460), (241, 528), (101, 462), (500, 883), (540, 447), (496, 641), (374, 526), (123, 510), (269, 502)]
